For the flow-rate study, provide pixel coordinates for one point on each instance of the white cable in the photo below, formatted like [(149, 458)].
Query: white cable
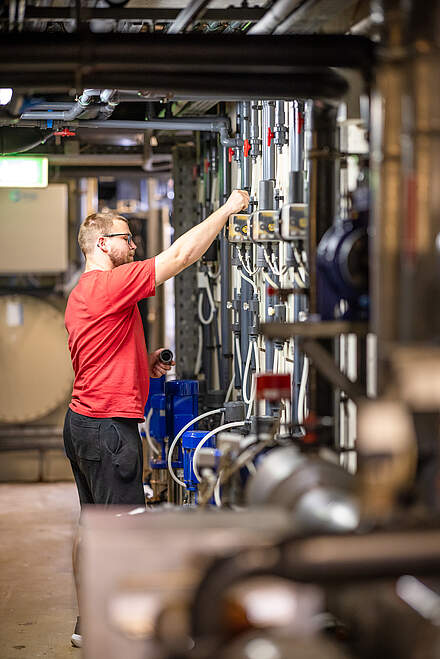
[(214, 275), (147, 432), (179, 435), (231, 386), (269, 280), (302, 391), (249, 269), (198, 365), (275, 270), (243, 265), (249, 280), (233, 424), (254, 381), (238, 356), (217, 497), (267, 259), (246, 373), (206, 321)]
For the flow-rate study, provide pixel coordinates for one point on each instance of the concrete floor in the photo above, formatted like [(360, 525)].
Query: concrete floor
[(37, 595)]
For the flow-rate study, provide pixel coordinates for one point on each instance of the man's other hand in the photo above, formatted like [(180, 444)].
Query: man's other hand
[(157, 368), (238, 201)]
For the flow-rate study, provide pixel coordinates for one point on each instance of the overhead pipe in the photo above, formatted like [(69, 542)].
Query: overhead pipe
[(106, 96), (72, 59), (274, 16), (189, 14)]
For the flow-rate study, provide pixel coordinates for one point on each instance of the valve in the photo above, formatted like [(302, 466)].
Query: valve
[(246, 148), (270, 136), (65, 133), (300, 123), (231, 152)]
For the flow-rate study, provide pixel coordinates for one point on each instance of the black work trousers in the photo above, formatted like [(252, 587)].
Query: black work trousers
[(106, 459)]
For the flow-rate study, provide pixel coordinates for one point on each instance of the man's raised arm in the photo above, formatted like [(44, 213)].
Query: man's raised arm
[(193, 244)]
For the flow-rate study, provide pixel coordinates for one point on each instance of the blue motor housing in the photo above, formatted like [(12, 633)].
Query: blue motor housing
[(342, 264), (190, 440), (181, 405)]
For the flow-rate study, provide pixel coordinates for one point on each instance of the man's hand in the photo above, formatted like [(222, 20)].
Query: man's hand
[(157, 369), (238, 201)]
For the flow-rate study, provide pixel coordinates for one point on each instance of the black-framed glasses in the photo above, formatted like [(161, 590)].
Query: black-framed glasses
[(128, 235)]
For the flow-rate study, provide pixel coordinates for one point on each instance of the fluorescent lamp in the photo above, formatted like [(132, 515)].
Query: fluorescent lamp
[(5, 95), (28, 172)]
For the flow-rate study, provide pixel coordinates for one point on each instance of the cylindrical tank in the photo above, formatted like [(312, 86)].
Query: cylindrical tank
[(36, 370)]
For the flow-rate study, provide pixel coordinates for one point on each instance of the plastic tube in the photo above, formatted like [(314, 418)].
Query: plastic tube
[(206, 321), (246, 373), (233, 424), (148, 437), (231, 386), (238, 355), (302, 391), (179, 435), (269, 280), (249, 280), (198, 365)]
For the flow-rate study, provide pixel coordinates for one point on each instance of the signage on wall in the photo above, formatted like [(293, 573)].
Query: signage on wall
[(27, 172)]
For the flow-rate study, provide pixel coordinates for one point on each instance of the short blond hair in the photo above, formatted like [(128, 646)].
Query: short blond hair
[(94, 226)]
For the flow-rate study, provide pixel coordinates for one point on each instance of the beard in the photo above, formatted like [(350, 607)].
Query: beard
[(118, 259)]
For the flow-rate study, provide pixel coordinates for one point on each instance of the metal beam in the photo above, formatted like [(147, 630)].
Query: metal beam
[(136, 14)]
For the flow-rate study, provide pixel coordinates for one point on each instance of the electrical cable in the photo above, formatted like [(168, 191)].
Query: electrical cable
[(233, 424), (178, 436), (28, 147), (302, 392)]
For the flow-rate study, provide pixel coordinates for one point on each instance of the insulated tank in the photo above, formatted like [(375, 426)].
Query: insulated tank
[(36, 372)]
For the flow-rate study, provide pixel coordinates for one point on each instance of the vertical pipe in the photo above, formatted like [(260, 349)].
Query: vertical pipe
[(322, 207), (246, 171), (225, 284), (268, 143)]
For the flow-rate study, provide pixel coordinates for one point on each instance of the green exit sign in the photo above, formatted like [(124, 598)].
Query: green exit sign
[(29, 172)]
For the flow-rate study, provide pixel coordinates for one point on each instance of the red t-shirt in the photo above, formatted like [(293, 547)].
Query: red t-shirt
[(106, 340)]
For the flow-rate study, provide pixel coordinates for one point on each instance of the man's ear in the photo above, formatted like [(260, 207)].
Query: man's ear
[(102, 244)]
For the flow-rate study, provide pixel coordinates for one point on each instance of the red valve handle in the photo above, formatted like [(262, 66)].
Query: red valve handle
[(206, 165), (300, 123), (65, 133), (230, 154), (270, 136), (247, 146)]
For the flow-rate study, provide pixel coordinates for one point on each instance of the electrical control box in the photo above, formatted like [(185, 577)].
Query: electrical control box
[(265, 226), (294, 221), (239, 228)]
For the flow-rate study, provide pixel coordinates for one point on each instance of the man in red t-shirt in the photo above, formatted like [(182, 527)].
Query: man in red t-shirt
[(108, 351), (109, 356)]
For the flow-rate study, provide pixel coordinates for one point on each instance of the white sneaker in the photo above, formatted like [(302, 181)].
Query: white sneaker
[(76, 638)]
